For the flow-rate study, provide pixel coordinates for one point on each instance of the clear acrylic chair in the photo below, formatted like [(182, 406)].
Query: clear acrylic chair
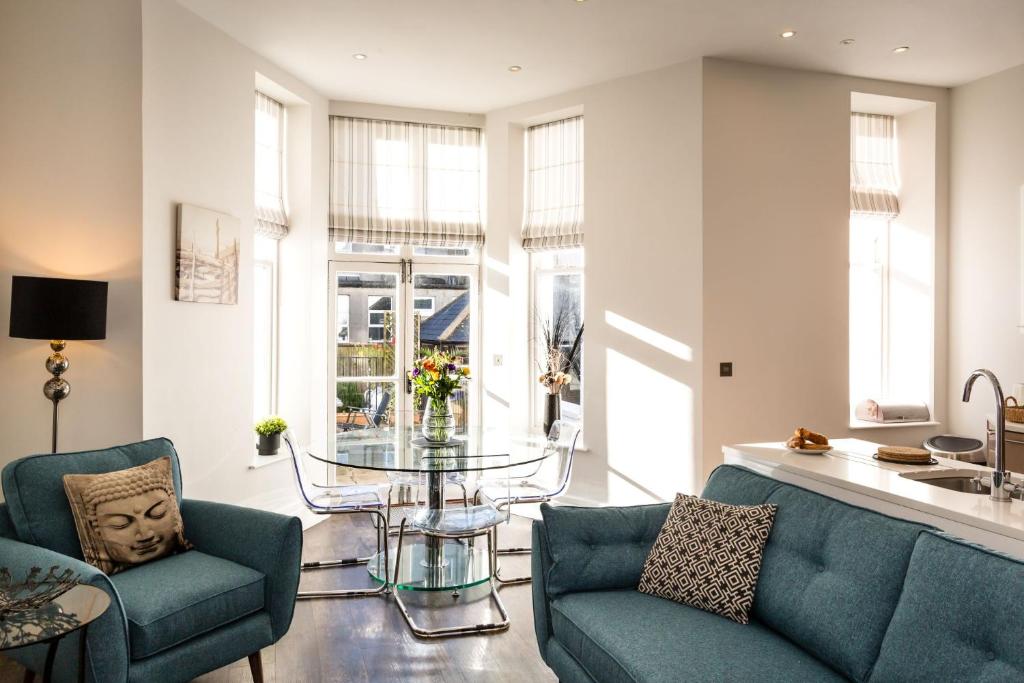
[(456, 523), (346, 500), (540, 482)]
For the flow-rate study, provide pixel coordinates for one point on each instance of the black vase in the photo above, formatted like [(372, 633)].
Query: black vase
[(269, 445), (552, 411)]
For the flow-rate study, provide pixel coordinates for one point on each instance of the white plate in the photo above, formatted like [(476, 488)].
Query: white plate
[(808, 451)]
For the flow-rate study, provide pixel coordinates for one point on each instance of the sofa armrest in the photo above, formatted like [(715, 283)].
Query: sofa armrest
[(267, 542), (540, 562), (598, 548), (107, 644)]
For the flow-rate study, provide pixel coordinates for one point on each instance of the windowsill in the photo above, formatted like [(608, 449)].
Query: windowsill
[(259, 461), (861, 424)]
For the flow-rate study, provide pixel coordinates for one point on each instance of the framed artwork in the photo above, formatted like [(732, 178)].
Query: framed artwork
[(207, 257)]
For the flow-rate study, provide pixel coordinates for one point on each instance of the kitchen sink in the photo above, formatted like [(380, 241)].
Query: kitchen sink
[(961, 481)]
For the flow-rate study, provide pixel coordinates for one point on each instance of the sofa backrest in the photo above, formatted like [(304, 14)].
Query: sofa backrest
[(960, 617), (34, 489), (832, 573), (599, 548)]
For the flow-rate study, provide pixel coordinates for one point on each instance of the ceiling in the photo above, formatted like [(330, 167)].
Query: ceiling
[(455, 54)]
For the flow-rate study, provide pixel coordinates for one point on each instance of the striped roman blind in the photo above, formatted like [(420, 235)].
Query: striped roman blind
[(271, 216), (874, 181), (553, 218), (394, 182)]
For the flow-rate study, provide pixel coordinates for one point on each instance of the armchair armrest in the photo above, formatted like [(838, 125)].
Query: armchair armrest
[(264, 541), (597, 548), (107, 644)]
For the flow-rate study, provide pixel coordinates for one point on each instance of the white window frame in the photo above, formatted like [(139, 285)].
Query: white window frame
[(272, 265), (370, 311), (432, 309), (536, 400)]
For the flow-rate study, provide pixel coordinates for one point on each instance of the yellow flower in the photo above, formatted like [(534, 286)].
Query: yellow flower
[(465, 371)]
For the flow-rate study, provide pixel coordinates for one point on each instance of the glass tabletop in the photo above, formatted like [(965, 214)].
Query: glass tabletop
[(72, 610), (404, 449)]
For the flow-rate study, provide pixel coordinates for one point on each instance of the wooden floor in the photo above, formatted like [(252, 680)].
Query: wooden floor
[(366, 639)]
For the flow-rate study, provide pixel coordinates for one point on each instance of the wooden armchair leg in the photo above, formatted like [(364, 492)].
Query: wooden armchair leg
[(256, 666)]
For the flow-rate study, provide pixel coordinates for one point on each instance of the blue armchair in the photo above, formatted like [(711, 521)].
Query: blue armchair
[(171, 619)]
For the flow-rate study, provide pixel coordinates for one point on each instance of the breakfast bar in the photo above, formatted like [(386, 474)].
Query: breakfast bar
[(849, 472)]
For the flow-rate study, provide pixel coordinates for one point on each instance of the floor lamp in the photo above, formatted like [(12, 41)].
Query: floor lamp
[(57, 309)]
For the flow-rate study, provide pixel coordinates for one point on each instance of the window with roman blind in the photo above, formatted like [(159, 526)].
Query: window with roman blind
[(400, 183), (553, 236), (271, 225), (891, 242), (271, 214)]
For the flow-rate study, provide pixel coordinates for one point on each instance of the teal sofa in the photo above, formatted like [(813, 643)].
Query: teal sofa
[(844, 594), (171, 619)]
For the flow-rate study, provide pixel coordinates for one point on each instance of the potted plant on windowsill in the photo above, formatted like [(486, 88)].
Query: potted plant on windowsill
[(436, 378), (269, 430), (559, 366)]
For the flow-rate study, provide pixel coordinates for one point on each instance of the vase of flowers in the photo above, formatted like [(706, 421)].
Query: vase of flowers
[(562, 338), (436, 378), (553, 382)]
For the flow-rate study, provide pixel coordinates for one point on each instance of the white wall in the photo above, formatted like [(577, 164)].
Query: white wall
[(985, 237), (776, 213), (71, 198), (197, 111), (643, 273)]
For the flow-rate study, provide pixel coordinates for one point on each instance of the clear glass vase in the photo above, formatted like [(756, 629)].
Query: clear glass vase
[(438, 420)]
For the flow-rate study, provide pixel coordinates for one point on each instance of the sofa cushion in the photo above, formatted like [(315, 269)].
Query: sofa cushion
[(171, 600), (708, 555), (625, 636), (127, 517), (832, 572), (599, 548), (34, 489), (960, 616)]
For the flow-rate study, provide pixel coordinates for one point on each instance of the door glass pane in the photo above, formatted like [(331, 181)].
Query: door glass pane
[(441, 322), (362, 405), (366, 324)]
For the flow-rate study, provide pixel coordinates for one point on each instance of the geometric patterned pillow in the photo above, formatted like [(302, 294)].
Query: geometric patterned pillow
[(708, 555)]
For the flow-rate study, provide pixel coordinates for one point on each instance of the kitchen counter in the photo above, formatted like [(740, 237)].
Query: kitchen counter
[(849, 473)]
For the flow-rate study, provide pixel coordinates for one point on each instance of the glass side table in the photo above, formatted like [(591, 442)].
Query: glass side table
[(50, 623)]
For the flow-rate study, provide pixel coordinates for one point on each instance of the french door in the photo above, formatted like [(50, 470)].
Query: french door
[(385, 315)]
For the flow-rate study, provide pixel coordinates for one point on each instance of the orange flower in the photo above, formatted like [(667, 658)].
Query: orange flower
[(428, 364)]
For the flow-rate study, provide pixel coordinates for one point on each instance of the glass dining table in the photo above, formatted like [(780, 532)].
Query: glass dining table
[(432, 563)]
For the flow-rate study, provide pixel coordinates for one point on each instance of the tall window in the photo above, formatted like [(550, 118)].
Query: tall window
[(405, 221), (553, 235), (271, 226), (891, 296)]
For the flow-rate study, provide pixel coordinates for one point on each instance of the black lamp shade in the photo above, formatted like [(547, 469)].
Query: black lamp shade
[(55, 308)]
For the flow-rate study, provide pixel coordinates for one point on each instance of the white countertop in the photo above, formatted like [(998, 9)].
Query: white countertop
[(850, 466)]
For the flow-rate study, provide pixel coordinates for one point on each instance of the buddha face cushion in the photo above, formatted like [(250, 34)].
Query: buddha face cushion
[(127, 517)]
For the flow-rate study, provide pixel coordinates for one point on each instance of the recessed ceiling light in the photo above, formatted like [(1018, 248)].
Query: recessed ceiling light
[(901, 49), (515, 68), (787, 34), (359, 56), (847, 41)]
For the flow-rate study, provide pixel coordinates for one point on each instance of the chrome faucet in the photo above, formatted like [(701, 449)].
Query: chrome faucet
[(1001, 486)]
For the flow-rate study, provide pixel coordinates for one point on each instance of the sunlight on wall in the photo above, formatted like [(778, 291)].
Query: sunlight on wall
[(650, 433), (649, 336)]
